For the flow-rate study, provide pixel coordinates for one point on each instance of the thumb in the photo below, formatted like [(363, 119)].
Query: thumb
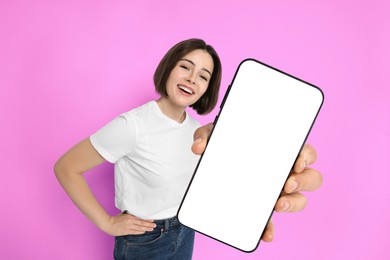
[(201, 136), (199, 145)]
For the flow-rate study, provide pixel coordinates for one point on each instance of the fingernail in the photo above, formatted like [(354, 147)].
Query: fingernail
[(293, 185), (304, 161), (285, 206), (198, 140), (304, 156)]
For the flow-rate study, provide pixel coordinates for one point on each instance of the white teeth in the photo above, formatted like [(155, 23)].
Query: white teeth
[(189, 91)]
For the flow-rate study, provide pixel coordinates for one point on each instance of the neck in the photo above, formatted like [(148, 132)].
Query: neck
[(176, 113)]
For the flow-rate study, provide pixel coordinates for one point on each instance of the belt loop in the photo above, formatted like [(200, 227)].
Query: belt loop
[(166, 224)]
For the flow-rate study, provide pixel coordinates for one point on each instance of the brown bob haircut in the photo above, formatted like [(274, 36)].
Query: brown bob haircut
[(209, 99)]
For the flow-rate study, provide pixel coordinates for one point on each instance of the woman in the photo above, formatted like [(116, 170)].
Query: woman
[(150, 146)]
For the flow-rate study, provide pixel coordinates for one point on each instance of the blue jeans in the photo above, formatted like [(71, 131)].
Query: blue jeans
[(169, 240)]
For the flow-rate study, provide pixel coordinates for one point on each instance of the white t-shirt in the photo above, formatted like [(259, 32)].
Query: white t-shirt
[(153, 160)]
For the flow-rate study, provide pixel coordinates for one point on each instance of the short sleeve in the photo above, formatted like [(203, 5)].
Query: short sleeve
[(116, 139)]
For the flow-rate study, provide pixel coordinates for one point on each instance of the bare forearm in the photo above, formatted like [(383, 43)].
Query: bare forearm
[(69, 170), (78, 190)]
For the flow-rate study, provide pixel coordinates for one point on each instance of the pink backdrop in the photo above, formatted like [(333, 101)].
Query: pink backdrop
[(67, 68)]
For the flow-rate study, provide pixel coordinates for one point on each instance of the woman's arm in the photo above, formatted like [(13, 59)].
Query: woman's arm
[(69, 171)]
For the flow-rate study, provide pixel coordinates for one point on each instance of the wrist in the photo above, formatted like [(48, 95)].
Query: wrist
[(103, 223)]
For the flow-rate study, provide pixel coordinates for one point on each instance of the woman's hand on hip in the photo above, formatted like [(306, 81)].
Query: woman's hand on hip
[(127, 224)]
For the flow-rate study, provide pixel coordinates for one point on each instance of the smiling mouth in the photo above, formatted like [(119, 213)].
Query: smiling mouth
[(186, 89)]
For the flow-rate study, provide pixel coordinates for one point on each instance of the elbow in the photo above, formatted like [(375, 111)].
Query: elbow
[(57, 169), (61, 169)]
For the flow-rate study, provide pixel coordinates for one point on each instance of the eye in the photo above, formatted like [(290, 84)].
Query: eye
[(184, 67), (204, 78)]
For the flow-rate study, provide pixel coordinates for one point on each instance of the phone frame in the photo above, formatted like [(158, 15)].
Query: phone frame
[(211, 136)]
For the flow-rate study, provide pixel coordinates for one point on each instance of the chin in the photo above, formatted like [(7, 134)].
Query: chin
[(185, 103)]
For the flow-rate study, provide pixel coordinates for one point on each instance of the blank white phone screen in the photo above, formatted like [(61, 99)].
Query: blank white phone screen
[(261, 128)]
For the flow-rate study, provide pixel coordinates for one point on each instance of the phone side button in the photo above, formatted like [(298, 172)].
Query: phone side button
[(215, 120), (224, 98)]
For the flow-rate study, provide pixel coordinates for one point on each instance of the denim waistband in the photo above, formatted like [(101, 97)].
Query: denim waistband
[(167, 223)]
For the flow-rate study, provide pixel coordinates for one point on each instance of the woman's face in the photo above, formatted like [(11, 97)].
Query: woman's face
[(189, 79)]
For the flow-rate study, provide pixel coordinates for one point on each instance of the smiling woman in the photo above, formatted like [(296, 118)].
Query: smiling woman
[(151, 149), (187, 83), (192, 56)]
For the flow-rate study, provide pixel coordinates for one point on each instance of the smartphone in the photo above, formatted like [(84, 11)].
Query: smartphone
[(263, 123)]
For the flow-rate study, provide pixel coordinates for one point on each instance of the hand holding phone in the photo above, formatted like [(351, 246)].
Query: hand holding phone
[(238, 180)]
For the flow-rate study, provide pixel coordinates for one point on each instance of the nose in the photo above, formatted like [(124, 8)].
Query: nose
[(191, 78), (190, 81)]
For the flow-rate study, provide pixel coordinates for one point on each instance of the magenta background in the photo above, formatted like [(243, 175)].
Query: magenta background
[(67, 68)]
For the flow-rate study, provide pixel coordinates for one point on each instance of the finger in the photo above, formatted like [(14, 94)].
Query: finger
[(134, 228), (131, 216), (307, 156), (268, 234), (300, 164), (201, 136), (140, 222), (308, 180), (141, 229), (144, 224), (291, 203)]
